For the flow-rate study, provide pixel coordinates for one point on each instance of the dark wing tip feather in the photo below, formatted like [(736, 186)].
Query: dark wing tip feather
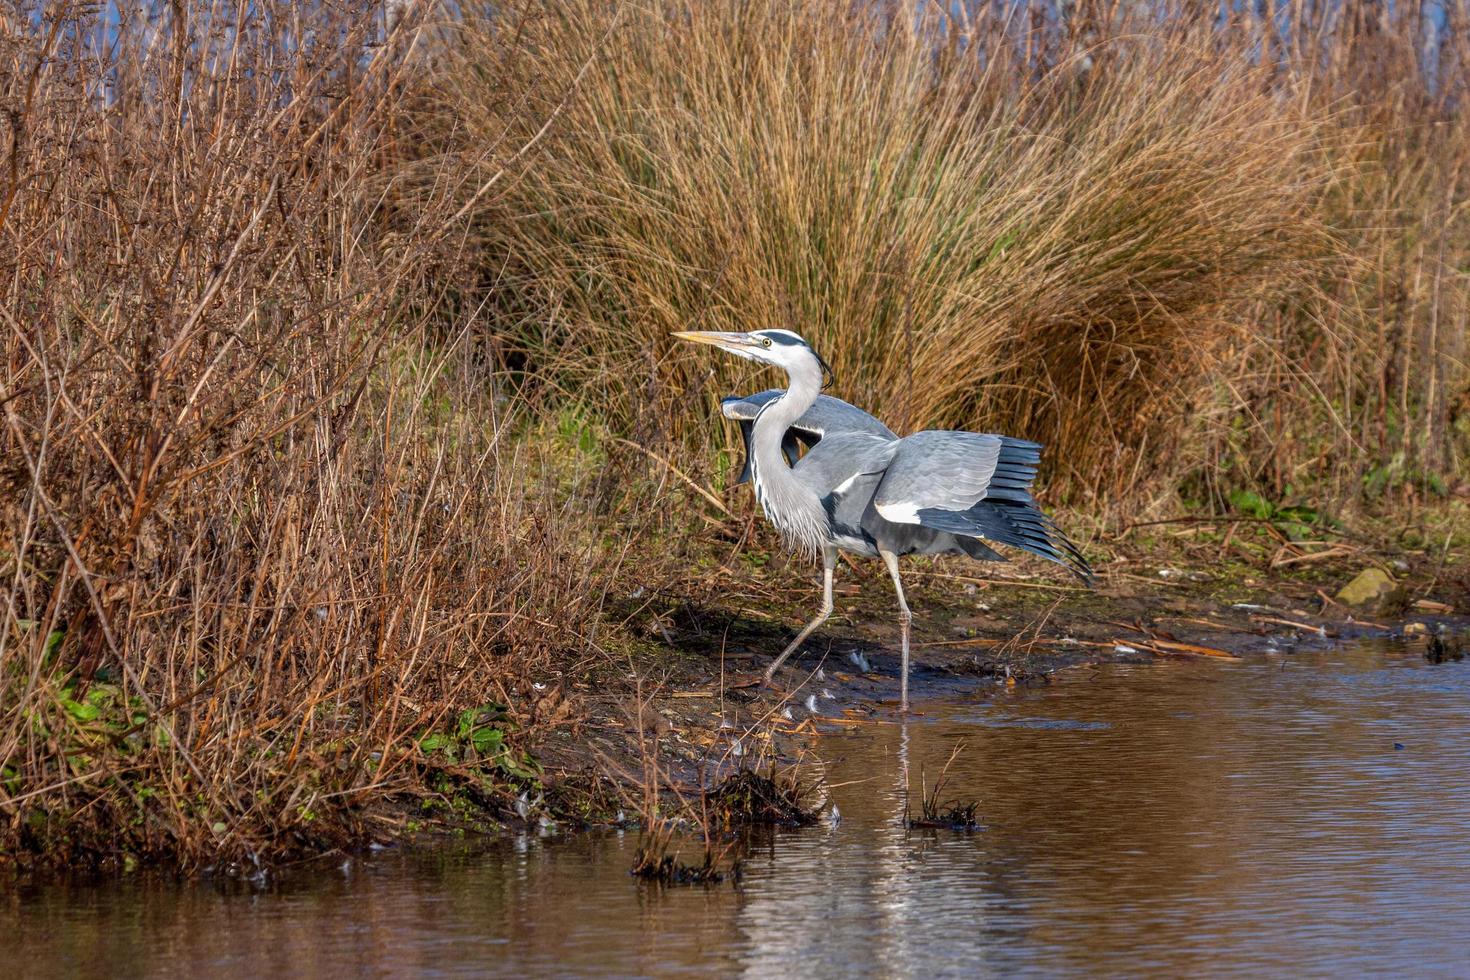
[(746, 428), (1021, 448)]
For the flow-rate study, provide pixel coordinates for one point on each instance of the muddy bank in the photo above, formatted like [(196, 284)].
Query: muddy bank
[(697, 695), (703, 712), (674, 700)]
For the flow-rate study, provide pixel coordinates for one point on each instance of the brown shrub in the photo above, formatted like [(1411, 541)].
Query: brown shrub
[(260, 527)]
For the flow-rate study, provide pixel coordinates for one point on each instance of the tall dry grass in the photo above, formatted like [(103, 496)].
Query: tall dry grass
[(1119, 231), (1361, 391), (261, 527)]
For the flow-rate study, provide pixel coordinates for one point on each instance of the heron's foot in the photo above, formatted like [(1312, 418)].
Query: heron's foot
[(776, 664)]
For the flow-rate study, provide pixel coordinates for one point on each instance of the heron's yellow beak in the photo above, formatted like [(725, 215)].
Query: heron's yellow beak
[(715, 338)]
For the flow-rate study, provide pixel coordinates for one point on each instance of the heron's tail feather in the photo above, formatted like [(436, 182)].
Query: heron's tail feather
[(1019, 524), (978, 549)]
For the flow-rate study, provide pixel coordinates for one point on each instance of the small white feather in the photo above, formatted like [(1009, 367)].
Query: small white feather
[(906, 513)]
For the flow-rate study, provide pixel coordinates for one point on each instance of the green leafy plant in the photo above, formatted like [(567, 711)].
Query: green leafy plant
[(1294, 520), (479, 734)]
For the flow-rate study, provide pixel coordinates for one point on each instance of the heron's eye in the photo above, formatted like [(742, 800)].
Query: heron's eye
[(765, 341)]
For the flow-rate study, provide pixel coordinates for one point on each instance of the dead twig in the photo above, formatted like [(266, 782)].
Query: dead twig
[(677, 472), (1320, 630)]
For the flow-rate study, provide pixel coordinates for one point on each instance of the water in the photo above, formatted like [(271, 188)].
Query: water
[(1179, 818)]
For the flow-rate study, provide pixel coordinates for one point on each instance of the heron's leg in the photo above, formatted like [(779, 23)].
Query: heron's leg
[(904, 618), (829, 563)]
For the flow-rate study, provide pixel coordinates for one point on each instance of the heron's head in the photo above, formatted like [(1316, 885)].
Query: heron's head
[(779, 348)]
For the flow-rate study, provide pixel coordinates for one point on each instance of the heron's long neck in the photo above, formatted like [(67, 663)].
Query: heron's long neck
[(803, 384), (789, 504)]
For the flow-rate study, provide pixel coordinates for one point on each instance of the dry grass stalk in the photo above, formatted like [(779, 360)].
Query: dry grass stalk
[(935, 812)]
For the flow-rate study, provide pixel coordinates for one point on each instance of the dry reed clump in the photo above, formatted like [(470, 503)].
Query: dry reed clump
[(669, 821), (1359, 391), (258, 535), (749, 797), (938, 813), (1064, 250)]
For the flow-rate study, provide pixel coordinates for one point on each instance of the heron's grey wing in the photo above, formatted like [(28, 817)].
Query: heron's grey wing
[(827, 415), (938, 470), (835, 464), (976, 485), (844, 470), (747, 407)]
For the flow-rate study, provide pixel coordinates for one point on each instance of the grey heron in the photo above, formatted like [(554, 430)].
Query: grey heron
[(862, 489)]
